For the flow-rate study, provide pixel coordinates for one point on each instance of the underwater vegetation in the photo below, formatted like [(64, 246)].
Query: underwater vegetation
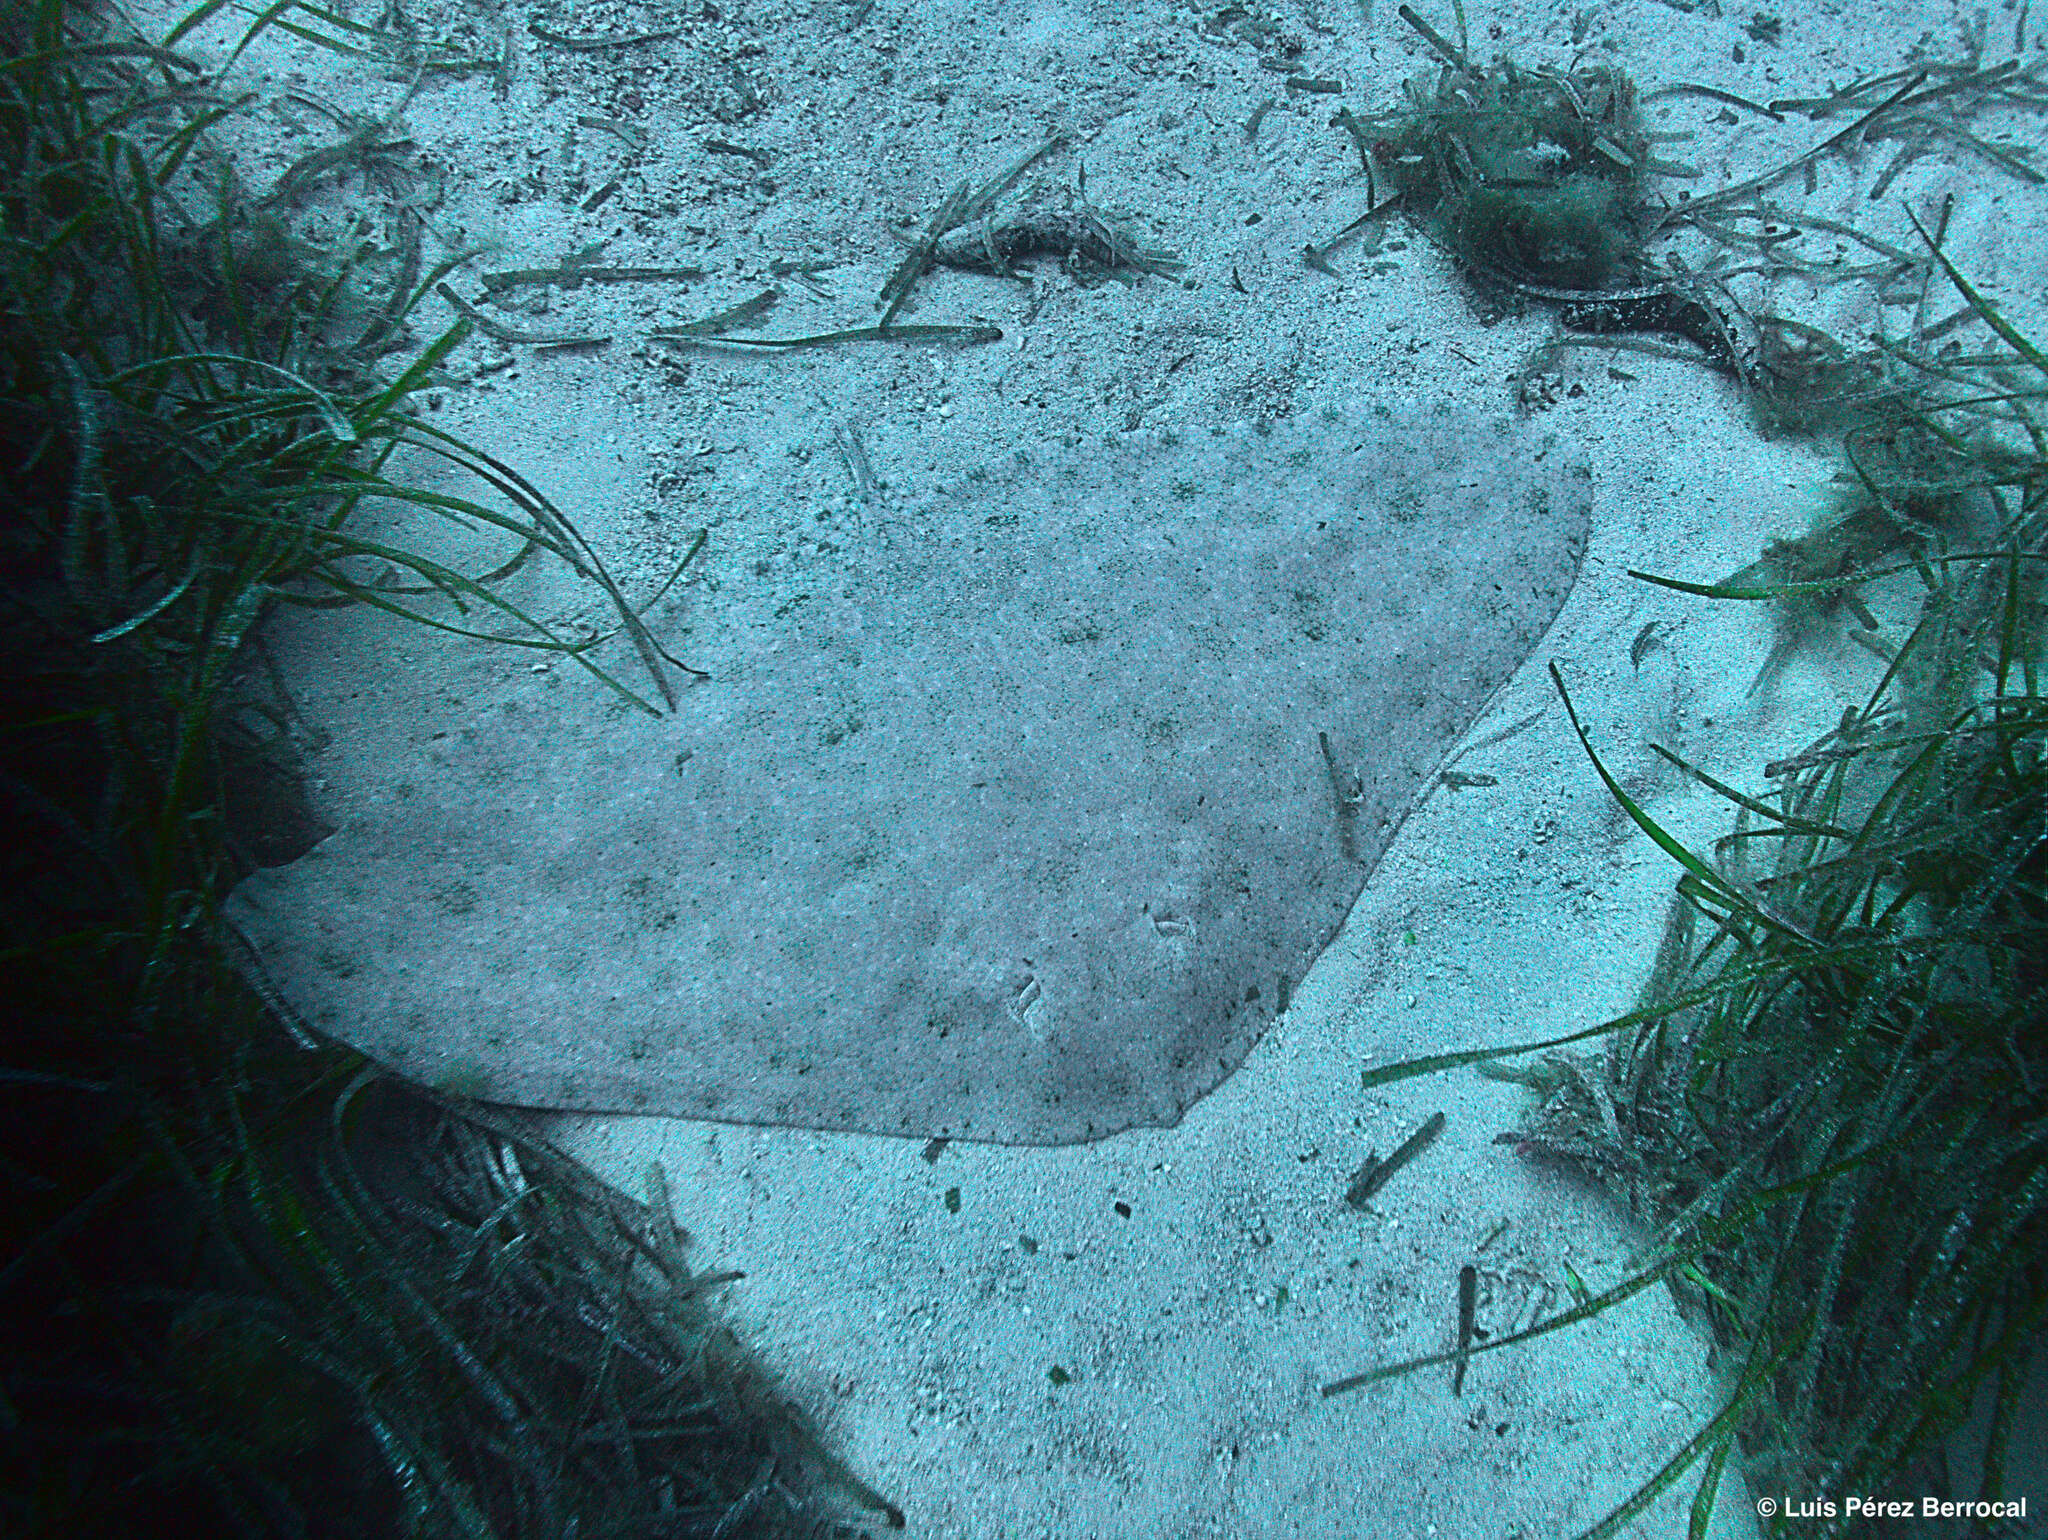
[(273, 1291), (1546, 185), (1532, 174), (1831, 1104)]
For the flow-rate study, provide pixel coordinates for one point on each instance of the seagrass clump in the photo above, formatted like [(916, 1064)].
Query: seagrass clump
[(1534, 175), (270, 1293), (1831, 1104), (1833, 1101)]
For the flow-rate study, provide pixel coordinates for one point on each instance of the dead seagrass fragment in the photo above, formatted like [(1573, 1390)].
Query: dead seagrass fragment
[(1007, 820)]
